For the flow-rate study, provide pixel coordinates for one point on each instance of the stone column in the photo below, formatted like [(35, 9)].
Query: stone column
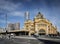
[(29, 34), (29, 30), (50, 29), (47, 30), (36, 29)]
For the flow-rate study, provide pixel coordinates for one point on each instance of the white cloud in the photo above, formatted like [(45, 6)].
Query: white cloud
[(9, 6), (16, 13), (4, 21), (6, 5)]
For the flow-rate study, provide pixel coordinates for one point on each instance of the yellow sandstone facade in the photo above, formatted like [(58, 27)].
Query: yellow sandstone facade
[(39, 26)]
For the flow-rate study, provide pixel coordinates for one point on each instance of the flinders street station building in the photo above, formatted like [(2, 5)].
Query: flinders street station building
[(38, 26)]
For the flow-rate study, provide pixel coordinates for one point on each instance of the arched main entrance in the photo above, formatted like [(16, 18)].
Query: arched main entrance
[(42, 32)]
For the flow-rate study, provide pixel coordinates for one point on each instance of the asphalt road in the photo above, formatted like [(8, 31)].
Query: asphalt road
[(26, 41)]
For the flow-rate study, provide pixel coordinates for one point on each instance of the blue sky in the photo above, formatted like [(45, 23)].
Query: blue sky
[(15, 9)]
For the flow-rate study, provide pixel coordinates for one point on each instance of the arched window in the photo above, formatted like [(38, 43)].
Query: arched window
[(41, 30)]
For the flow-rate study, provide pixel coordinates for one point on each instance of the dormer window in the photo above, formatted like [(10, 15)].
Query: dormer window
[(39, 16)]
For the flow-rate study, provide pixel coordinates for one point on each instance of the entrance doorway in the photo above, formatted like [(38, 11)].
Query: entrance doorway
[(42, 32)]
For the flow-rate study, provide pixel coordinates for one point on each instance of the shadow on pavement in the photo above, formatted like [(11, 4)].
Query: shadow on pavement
[(46, 41)]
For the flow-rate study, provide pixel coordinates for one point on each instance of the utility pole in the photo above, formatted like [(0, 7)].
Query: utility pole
[(6, 23)]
